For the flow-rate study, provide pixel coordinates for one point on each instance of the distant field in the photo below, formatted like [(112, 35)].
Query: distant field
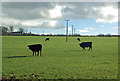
[(59, 60)]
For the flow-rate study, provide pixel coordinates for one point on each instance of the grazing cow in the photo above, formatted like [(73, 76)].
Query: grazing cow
[(86, 44), (47, 39), (78, 39), (36, 48)]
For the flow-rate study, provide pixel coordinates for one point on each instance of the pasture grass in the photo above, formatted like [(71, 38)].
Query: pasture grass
[(59, 60)]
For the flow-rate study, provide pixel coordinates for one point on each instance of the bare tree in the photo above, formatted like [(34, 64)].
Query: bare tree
[(11, 28), (109, 35), (4, 29), (101, 35), (21, 30)]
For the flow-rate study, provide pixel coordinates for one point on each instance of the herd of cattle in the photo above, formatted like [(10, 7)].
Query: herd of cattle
[(38, 47)]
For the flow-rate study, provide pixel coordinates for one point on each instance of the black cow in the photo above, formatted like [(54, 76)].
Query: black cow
[(78, 39), (36, 48), (86, 44), (47, 39)]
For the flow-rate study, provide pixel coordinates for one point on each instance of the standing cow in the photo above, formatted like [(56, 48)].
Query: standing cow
[(86, 44), (47, 39), (36, 48), (78, 39)]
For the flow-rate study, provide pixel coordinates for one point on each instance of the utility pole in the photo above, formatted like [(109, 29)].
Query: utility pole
[(72, 30), (67, 30)]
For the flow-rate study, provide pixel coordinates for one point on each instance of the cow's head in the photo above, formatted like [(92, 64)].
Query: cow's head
[(80, 44), (28, 45)]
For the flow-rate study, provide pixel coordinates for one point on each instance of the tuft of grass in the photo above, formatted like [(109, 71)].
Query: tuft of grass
[(106, 62)]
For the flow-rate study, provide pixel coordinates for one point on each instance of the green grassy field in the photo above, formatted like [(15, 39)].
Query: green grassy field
[(59, 60)]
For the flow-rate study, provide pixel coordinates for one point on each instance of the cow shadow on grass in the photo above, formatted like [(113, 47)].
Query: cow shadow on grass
[(17, 56), (76, 50)]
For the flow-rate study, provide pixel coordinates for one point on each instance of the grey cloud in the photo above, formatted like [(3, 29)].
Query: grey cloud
[(27, 5), (84, 10), (32, 10), (22, 11), (26, 10)]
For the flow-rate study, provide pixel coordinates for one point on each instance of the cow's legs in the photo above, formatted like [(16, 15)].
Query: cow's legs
[(33, 53), (38, 53), (83, 48), (89, 48)]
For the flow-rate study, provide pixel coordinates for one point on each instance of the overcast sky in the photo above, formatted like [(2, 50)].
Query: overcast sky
[(87, 17)]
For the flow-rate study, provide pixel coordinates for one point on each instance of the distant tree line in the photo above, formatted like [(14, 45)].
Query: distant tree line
[(83, 35), (9, 31), (107, 35)]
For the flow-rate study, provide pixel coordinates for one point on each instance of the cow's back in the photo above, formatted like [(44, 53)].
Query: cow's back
[(46, 39), (86, 44), (36, 47)]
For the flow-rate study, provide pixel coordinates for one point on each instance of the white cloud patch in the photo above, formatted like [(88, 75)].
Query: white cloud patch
[(52, 23), (15, 30), (109, 14), (84, 30), (88, 29), (56, 12), (69, 29), (32, 23), (88, 34), (115, 33)]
